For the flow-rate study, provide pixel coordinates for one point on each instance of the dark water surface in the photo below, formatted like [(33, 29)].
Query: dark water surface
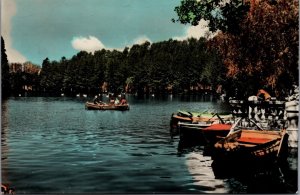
[(54, 145)]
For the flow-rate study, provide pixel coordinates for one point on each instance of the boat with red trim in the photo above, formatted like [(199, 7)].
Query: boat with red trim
[(105, 106)]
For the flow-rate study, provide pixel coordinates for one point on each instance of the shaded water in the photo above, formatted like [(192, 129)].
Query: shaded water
[(54, 145)]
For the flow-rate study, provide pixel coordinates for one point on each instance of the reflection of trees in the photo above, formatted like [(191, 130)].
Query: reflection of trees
[(4, 145), (272, 177), (239, 177)]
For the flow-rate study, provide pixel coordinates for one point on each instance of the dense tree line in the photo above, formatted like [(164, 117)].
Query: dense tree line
[(257, 41), (17, 78), (163, 67), (24, 77), (5, 84)]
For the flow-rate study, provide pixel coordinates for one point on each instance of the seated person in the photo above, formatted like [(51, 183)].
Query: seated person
[(111, 100), (96, 100), (117, 101), (123, 101)]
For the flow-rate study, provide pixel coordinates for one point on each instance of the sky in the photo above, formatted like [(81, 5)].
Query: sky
[(36, 29)]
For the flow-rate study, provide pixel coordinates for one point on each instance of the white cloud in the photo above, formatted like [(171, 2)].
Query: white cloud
[(201, 30), (89, 44), (141, 39), (9, 9), (92, 44)]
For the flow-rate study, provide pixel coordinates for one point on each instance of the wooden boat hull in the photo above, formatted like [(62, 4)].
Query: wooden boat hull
[(92, 106), (215, 132), (252, 146), (185, 117), (192, 134), (205, 133)]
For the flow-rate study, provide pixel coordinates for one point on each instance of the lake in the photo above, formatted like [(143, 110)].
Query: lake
[(55, 145)]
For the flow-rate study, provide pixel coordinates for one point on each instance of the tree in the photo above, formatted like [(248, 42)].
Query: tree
[(222, 15), (266, 51), (167, 66), (45, 73), (5, 77), (260, 49)]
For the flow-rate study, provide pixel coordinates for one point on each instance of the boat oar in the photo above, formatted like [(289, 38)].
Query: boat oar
[(216, 114), (251, 120), (233, 126), (191, 114)]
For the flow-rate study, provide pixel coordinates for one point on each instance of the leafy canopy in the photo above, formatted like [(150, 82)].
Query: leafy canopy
[(222, 15)]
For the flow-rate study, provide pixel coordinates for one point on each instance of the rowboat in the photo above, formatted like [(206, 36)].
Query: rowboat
[(251, 144), (104, 106), (191, 134), (215, 132), (202, 133), (201, 118)]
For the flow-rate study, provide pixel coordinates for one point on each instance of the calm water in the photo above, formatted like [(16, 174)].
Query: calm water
[(54, 145)]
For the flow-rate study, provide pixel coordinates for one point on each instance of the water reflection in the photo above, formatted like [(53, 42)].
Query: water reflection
[(274, 177), (56, 146), (200, 169), (239, 177), (4, 144)]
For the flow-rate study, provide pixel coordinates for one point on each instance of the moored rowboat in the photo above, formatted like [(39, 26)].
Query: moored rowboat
[(215, 132), (104, 106), (250, 144), (202, 133), (204, 118)]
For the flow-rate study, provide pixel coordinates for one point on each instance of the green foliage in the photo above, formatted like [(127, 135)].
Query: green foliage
[(222, 15), (266, 52), (168, 66), (258, 43), (24, 78), (4, 70)]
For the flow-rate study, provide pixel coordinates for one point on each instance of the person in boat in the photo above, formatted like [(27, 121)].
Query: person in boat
[(96, 100), (123, 100), (111, 99), (117, 101), (263, 95)]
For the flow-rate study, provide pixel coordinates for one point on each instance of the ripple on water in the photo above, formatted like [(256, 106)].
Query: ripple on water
[(204, 180), (57, 146)]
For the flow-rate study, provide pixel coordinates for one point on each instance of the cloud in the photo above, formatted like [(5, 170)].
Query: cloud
[(9, 9), (201, 30), (92, 44), (89, 44), (141, 39)]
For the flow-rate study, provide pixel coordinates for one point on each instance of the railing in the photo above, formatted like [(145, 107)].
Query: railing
[(272, 114)]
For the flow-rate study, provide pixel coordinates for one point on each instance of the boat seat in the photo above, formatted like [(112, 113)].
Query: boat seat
[(251, 140), (218, 127)]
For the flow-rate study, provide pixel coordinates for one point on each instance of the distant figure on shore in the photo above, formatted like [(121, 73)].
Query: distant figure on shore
[(263, 95)]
